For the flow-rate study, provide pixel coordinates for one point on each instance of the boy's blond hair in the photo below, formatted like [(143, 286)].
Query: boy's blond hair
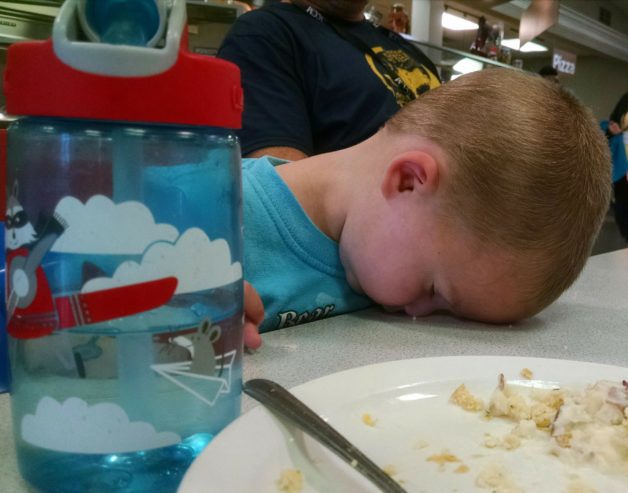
[(530, 170)]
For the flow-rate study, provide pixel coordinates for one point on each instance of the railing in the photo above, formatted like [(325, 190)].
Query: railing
[(446, 59)]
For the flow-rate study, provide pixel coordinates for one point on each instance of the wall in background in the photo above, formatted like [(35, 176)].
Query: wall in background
[(599, 81)]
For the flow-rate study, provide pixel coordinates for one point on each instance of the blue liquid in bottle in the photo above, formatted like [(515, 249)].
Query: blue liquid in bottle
[(123, 22)]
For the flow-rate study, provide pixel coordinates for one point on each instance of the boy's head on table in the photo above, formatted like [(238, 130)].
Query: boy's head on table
[(483, 198)]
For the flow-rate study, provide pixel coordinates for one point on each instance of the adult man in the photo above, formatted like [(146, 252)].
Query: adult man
[(312, 69)]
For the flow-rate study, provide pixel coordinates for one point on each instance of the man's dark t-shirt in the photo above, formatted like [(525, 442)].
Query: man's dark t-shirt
[(308, 87)]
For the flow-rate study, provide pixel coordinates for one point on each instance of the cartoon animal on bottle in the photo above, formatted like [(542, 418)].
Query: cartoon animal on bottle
[(28, 293), (32, 309), (204, 361)]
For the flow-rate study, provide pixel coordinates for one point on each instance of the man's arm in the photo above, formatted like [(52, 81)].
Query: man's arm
[(287, 153)]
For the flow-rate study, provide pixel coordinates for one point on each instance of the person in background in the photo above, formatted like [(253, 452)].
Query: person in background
[(318, 77), (616, 129), (550, 73), (442, 209), (398, 19)]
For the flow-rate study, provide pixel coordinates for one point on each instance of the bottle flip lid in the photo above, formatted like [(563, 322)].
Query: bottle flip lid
[(69, 77)]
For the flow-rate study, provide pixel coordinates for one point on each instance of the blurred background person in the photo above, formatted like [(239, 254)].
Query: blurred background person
[(398, 20), (616, 128), (550, 73), (318, 76)]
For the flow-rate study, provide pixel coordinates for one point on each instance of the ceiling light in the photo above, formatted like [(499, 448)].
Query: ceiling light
[(513, 44), (455, 23), (466, 65)]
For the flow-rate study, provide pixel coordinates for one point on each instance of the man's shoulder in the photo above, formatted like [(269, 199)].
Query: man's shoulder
[(276, 15)]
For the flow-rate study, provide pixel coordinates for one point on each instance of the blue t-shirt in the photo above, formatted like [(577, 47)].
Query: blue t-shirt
[(293, 265), (308, 87), (618, 153)]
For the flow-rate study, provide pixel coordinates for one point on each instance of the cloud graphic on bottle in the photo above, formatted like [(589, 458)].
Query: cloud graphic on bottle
[(102, 227), (75, 426), (197, 262)]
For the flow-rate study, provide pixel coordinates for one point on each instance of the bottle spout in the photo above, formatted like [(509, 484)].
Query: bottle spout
[(123, 22), (120, 38)]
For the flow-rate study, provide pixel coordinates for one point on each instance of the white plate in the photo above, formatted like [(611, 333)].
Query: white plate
[(410, 401)]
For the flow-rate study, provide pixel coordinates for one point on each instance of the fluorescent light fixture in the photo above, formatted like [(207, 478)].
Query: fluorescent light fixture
[(529, 47), (466, 65), (455, 23)]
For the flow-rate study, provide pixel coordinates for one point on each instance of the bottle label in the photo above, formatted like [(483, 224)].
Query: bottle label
[(136, 298)]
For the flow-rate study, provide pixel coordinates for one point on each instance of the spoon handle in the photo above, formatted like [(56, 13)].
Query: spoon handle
[(285, 404)]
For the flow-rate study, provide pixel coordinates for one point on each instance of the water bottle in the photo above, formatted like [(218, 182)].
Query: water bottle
[(124, 251), (4, 355)]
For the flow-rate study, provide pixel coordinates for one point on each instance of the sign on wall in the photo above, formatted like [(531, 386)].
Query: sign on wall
[(564, 62)]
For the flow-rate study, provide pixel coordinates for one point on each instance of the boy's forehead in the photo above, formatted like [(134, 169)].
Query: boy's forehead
[(490, 290)]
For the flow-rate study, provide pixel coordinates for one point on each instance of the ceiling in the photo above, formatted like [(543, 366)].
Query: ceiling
[(462, 39), (591, 38)]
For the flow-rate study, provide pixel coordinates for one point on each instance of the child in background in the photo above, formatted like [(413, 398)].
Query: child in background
[(482, 198)]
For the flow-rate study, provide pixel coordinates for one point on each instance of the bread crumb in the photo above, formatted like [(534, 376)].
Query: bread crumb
[(466, 400), (526, 373), (579, 486), (490, 441), (495, 478), (443, 458), (511, 442), (526, 428), (290, 481), (461, 469), (368, 420), (390, 469)]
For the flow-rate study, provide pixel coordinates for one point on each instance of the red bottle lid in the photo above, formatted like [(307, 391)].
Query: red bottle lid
[(70, 78)]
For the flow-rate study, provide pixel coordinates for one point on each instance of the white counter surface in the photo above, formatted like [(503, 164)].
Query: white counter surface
[(588, 323)]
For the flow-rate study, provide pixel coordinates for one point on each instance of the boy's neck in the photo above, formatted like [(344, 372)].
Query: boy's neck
[(325, 184), (313, 184)]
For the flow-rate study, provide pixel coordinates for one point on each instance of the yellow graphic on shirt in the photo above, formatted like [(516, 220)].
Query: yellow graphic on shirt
[(415, 76)]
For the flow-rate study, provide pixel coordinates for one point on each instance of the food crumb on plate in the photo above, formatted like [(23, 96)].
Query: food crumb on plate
[(466, 400), (368, 420), (443, 458), (526, 373), (494, 477), (461, 469), (579, 486), (290, 481), (390, 469)]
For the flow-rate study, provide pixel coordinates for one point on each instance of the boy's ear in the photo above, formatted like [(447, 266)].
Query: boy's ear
[(414, 171)]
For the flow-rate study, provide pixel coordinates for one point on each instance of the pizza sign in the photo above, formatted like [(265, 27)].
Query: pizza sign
[(564, 62)]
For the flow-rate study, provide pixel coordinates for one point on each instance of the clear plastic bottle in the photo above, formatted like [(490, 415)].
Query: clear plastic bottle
[(124, 251)]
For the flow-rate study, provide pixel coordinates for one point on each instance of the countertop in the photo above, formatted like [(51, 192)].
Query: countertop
[(588, 323)]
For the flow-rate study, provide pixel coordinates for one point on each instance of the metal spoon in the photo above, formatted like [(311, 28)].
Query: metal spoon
[(286, 405)]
